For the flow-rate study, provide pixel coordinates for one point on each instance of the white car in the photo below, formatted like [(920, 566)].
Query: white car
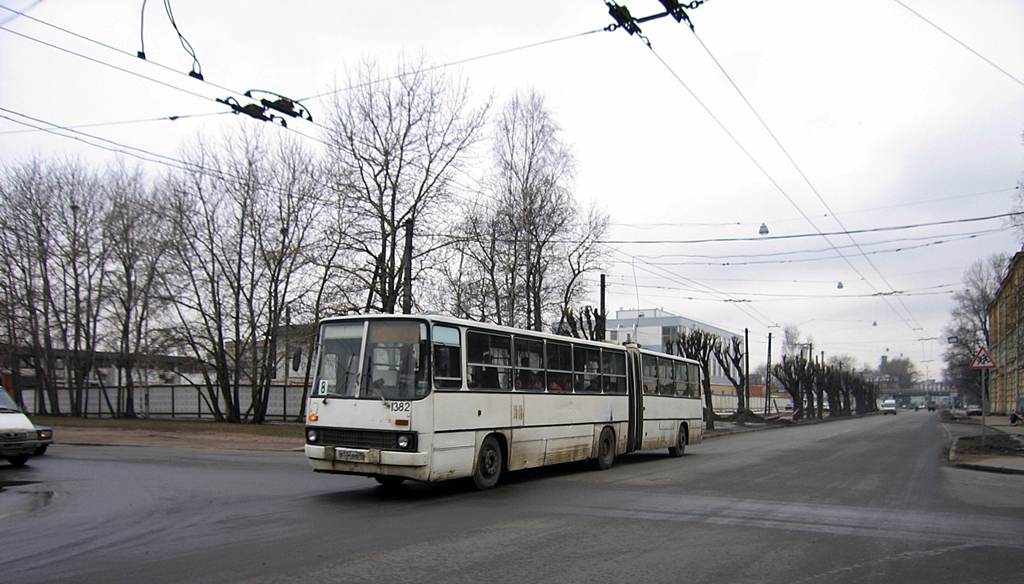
[(19, 439), (888, 407)]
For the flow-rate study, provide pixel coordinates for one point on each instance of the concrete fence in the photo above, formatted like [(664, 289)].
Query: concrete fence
[(189, 402), (186, 402)]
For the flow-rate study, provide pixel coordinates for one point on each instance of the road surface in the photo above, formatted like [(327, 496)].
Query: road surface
[(865, 500)]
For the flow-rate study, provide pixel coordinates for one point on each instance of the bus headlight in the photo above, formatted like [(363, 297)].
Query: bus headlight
[(403, 441), (311, 435)]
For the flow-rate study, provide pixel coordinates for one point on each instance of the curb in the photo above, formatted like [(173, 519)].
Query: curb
[(986, 468)]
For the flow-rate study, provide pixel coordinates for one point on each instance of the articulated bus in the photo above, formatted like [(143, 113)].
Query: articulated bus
[(434, 398)]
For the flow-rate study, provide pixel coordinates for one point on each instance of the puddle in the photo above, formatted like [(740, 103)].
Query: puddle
[(24, 501)]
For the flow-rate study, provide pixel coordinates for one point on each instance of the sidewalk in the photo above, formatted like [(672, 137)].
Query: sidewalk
[(999, 429)]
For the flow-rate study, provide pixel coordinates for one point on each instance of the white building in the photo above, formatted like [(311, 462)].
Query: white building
[(651, 327)]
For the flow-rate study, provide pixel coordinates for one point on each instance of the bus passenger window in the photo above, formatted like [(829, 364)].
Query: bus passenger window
[(680, 375), (666, 377), (558, 357), (613, 370), (529, 361), (489, 358), (447, 342), (649, 365)]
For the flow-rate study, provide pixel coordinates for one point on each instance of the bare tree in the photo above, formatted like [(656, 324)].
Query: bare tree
[(968, 327), (530, 244), (797, 378), (57, 256), (397, 142), (730, 357), (136, 229), (699, 345), (245, 221)]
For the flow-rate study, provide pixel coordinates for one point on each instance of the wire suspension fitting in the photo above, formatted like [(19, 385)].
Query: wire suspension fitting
[(673, 8)]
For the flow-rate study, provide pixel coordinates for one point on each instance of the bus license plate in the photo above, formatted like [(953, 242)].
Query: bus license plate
[(350, 455)]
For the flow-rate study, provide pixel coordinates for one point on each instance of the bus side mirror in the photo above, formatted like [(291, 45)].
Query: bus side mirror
[(296, 359)]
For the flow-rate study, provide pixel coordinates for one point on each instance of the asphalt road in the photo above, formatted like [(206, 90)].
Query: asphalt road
[(866, 500)]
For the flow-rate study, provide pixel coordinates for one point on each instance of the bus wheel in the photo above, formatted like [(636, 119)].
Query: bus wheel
[(605, 451), (389, 481), (488, 464), (680, 446)]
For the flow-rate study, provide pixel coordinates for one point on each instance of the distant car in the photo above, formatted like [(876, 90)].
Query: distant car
[(888, 407), (973, 410)]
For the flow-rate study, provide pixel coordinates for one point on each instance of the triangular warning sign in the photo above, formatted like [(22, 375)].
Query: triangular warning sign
[(983, 360)]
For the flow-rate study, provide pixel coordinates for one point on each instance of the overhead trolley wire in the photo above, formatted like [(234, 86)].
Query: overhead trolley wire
[(818, 233), (961, 43), (814, 190), (457, 62)]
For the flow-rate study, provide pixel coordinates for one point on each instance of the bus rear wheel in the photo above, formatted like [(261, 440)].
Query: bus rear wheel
[(680, 446), (605, 451), (488, 464)]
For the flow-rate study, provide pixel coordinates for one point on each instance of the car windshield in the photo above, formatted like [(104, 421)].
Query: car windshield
[(7, 404), (376, 359)]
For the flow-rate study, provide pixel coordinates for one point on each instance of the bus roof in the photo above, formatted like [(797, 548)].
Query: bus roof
[(451, 320)]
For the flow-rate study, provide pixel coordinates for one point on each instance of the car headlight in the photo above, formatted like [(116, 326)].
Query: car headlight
[(44, 434), (312, 435), (404, 441)]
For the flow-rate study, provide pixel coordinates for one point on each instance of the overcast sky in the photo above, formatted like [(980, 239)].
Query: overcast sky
[(905, 118)]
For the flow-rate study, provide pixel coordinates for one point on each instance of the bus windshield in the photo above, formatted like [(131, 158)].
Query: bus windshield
[(377, 359)]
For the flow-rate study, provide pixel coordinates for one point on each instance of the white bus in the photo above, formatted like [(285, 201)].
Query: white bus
[(434, 398)]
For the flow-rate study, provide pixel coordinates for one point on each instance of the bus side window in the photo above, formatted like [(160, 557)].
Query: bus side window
[(558, 361), (613, 370), (649, 365), (529, 362), (447, 358), (666, 377), (489, 359), (682, 386)]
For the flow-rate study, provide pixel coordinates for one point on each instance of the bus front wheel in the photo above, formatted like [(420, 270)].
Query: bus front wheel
[(488, 464), (680, 446), (605, 451)]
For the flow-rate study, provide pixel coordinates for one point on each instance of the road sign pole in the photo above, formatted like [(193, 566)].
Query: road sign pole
[(984, 392)]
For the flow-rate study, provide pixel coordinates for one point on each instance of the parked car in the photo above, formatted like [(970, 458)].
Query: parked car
[(888, 407), (19, 438), (973, 410)]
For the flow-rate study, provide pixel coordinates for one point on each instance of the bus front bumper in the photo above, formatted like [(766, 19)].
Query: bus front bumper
[(367, 461)]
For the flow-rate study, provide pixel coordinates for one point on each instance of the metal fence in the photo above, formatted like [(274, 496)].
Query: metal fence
[(170, 401)]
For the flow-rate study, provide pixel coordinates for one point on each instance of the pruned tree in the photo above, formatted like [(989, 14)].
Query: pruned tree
[(796, 376), (699, 345), (581, 324), (730, 357)]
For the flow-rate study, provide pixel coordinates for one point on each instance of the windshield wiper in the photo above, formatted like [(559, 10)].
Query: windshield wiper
[(377, 390), (344, 381)]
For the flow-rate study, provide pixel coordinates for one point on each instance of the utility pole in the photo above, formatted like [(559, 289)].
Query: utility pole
[(746, 365), (768, 379), (407, 269), (600, 315)]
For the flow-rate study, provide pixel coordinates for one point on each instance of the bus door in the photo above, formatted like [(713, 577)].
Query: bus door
[(635, 390)]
